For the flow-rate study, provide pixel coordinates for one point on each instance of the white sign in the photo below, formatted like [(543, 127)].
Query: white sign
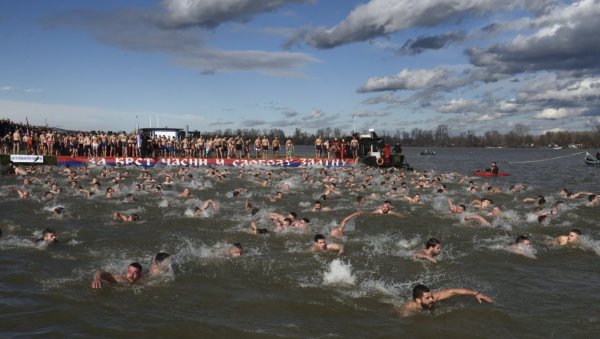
[(30, 159)]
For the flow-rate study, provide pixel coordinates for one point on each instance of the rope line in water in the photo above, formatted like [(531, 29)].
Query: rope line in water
[(564, 156)]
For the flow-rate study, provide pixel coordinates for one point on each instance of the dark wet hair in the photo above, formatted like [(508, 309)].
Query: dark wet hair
[(160, 256), (575, 230), (236, 193), (521, 239), (136, 265), (48, 231), (419, 290), (319, 237), (463, 206), (591, 197), (263, 231), (255, 210), (432, 242), (289, 220), (541, 218), (238, 245), (59, 210), (294, 214), (134, 217), (306, 220)]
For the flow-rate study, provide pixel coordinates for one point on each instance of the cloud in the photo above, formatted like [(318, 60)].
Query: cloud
[(387, 98), (212, 13), (366, 114), (144, 31), (290, 114), (383, 17), (405, 80), (458, 106), (252, 123), (7, 88), (566, 38), (557, 113), (422, 43), (221, 123)]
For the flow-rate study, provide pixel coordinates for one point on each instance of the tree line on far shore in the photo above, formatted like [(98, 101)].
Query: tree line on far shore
[(518, 137)]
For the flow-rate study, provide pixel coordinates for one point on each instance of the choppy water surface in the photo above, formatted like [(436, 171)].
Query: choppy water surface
[(278, 287)]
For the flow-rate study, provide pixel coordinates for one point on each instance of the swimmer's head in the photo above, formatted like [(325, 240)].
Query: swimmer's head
[(435, 245), (573, 234), (236, 193), (49, 235), (134, 217), (134, 272), (523, 239), (320, 241), (255, 210), (236, 250), (160, 261), (423, 296)]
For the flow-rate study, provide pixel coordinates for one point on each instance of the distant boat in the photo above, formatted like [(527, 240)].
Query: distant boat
[(591, 160), (480, 173), (426, 152)]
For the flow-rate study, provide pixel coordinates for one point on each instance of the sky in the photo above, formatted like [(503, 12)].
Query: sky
[(393, 65)]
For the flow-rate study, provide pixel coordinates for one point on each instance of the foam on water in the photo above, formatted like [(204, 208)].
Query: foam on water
[(589, 244), (339, 273)]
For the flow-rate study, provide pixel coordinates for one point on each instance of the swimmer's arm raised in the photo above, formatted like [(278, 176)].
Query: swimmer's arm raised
[(447, 293)]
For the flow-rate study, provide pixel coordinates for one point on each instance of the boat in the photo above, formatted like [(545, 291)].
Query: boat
[(591, 160), (480, 173), (427, 152), (373, 151)]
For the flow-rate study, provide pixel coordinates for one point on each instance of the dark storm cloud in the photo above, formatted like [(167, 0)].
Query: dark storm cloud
[(422, 43)]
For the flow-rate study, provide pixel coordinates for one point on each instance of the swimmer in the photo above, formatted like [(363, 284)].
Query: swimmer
[(134, 274), (22, 194), (321, 245), (207, 204), (236, 250), (386, 208), (593, 200), (239, 192), (255, 230), (495, 213), (337, 232), (278, 196), (48, 237), (564, 193), (456, 209), (185, 193), (568, 239), (318, 207), (482, 203), (125, 217), (425, 299), (160, 263), (522, 246), (58, 212), (416, 199), (433, 248)]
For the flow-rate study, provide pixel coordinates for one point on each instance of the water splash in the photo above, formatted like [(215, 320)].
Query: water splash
[(339, 273)]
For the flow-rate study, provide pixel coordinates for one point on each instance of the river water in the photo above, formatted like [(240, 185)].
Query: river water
[(280, 289)]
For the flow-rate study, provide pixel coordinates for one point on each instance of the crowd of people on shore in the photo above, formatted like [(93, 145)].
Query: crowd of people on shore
[(392, 191), (20, 138)]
